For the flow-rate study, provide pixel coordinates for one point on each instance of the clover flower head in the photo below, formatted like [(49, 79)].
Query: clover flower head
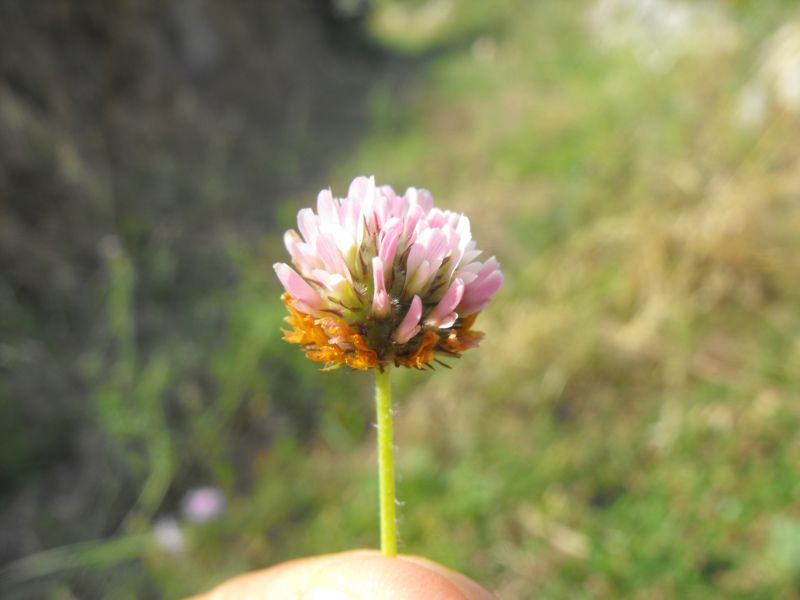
[(204, 504), (382, 279), (169, 535)]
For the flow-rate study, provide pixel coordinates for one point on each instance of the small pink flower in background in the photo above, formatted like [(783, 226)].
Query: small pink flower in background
[(202, 505), (169, 535), (380, 279)]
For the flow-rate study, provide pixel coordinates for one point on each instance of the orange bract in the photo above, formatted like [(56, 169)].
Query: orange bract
[(422, 355), (328, 340), (331, 341), (461, 337)]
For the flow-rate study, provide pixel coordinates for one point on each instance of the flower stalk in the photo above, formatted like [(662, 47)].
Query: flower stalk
[(383, 405)]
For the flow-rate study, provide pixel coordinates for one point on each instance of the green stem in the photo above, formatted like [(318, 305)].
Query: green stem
[(96, 554), (383, 404)]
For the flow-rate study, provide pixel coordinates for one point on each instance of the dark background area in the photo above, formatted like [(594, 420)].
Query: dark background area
[(164, 132)]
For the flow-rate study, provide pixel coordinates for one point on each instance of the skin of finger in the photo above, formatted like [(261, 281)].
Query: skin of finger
[(380, 578), (277, 581), (359, 573), (467, 586)]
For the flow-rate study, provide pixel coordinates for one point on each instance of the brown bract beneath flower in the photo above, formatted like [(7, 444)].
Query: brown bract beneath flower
[(331, 341)]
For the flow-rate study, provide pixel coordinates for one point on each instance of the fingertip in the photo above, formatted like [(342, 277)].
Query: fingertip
[(377, 577), (286, 580), (471, 589), (352, 575)]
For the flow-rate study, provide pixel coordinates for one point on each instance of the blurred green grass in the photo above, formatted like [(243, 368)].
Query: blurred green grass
[(629, 426)]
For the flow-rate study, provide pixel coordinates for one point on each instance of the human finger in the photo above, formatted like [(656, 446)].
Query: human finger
[(355, 575)]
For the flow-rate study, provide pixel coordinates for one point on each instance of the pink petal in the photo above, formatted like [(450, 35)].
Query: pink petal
[(359, 187), (297, 287), (415, 257), (486, 287), (409, 326), (464, 232), (413, 217), (470, 254), (393, 206), (380, 298), (420, 197), (337, 285), (380, 210), (329, 254), (425, 199), (362, 191), (442, 312), (447, 321), (307, 224), (305, 308), (438, 246), (431, 245), (390, 236), (417, 281), (424, 259), (350, 215), (303, 256), (478, 293), (292, 241), (490, 267), (327, 207), (436, 218)]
